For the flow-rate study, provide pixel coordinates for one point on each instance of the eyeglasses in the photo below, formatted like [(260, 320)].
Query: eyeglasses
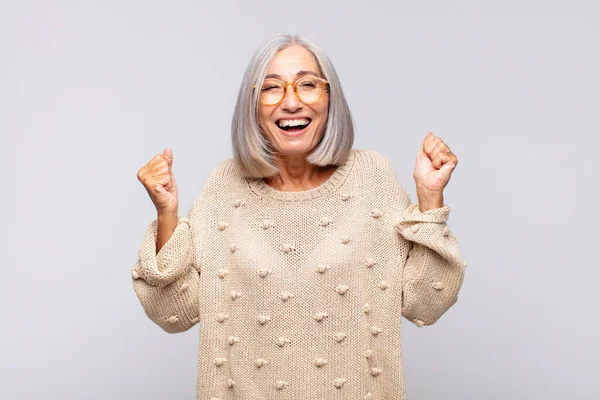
[(308, 89)]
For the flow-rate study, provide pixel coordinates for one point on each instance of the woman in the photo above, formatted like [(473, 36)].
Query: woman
[(300, 255)]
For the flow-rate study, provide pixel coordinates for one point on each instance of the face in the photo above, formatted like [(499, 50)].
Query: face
[(288, 141)]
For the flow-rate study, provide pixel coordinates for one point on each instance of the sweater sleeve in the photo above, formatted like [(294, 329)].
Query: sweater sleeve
[(166, 283), (434, 269)]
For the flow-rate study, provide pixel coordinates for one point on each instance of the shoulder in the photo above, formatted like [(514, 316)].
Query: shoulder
[(372, 162), (223, 180), (225, 172), (380, 176)]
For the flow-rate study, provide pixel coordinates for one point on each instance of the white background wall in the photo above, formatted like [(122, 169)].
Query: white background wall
[(91, 90)]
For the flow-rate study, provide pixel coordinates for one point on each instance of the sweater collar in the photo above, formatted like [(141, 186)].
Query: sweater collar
[(259, 187)]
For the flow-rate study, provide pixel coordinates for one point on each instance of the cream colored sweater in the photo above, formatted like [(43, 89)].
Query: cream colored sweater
[(299, 295)]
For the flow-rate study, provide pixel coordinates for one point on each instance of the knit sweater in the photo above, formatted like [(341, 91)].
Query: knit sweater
[(300, 295)]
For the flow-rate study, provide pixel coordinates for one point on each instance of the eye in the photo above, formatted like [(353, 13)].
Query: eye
[(271, 85), (308, 84), (269, 88)]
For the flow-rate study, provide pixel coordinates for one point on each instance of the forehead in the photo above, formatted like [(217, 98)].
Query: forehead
[(289, 61)]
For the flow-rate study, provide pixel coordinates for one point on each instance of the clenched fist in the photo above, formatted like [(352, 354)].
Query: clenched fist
[(157, 177), (433, 169), (434, 165)]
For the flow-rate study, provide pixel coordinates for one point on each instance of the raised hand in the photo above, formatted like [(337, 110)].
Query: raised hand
[(157, 177), (434, 166)]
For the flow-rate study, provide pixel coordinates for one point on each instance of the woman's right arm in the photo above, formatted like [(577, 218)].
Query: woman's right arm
[(167, 273), (166, 280), (166, 226)]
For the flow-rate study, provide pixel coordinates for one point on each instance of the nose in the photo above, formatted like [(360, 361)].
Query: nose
[(290, 101)]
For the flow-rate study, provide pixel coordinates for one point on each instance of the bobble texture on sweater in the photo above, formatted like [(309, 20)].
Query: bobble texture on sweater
[(299, 295)]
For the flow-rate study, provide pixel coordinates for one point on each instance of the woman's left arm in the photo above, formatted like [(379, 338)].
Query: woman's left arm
[(434, 269)]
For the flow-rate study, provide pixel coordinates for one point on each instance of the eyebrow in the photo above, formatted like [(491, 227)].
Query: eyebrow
[(298, 75)]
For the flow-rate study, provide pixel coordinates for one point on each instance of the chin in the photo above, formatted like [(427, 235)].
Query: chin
[(295, 147), (291, 151)]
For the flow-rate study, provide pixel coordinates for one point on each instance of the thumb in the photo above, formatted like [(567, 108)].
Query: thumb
[(422, 156), (168, 155), (447, 168), (425, 140)]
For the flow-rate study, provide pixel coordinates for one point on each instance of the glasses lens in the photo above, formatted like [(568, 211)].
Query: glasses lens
[(271, 92), (310, 89)]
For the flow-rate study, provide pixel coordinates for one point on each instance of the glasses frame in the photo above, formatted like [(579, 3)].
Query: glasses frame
[(294, 84)]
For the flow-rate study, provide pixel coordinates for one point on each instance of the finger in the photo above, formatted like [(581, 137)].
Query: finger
[(163, 173), (444, 158), (160, 170), (162, 180), (426, 140), (429, 143), (154, 161), (421, 155), (168, 155), (440, 147), (447, 168), (150, 176)]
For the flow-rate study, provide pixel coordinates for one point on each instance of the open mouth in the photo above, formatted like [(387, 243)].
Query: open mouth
[(293, 125)]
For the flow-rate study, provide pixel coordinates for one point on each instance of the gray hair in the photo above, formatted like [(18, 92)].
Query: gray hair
[(251, 149)]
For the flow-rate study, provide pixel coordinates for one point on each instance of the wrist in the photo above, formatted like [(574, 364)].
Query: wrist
[(167, 216), (429, 200)]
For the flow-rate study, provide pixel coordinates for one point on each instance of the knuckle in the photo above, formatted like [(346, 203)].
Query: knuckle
[(162, 163)]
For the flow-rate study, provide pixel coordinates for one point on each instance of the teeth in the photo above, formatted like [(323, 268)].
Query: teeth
[(293, 122)]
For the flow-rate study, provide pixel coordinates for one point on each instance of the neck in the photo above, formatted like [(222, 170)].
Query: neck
[(296, 174)]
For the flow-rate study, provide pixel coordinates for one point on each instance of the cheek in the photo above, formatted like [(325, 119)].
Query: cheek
[(263, 119), (261, 114), (324, 109), (262, 123), (323, 113)]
